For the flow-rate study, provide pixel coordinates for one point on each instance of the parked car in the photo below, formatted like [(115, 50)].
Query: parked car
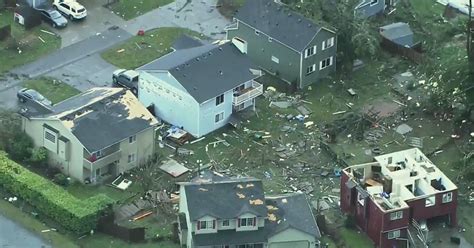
[(25, 95), (70, 9), (54, 18), (127, 79)]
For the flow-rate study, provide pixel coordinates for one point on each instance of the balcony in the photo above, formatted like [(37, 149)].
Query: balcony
[(248, 93), (102, 161)]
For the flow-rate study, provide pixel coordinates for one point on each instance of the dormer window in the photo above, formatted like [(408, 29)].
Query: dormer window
[(206, 224), (244, 222)]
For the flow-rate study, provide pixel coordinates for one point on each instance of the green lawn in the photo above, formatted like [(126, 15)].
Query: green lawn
[(355, 239), (54, 90), (31, 47), (129, 9), (140, 50)]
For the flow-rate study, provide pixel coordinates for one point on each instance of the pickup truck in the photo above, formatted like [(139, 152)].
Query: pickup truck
[(127, 79)]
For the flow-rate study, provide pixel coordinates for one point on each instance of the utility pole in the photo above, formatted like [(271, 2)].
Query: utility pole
[(470, 31)]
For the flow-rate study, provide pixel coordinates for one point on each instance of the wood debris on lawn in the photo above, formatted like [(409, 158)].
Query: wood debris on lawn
[(121, 50)]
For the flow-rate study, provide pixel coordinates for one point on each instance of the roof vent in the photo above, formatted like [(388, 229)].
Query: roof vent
[(220, 48), (221, 73), (197, 59), (289, 14), (299, 19), (309, 25), (210, 53), (194, 88)]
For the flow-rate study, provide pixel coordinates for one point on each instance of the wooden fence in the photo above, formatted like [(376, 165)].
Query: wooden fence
[(413, 53), (108, 226)]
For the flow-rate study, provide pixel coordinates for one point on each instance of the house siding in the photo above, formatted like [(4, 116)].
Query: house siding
[(143, 148), (292, 238), (171, 103), (261, 50), (370, 10), (419, 211), (320, 55), (208, 111)]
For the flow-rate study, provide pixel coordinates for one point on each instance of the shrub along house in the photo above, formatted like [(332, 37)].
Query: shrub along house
[(101, 132), (284, 42), (234, 213), (199, 86), (391, 197)]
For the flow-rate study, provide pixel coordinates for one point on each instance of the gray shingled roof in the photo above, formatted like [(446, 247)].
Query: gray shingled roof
[(292, 211), (185, 41), (206, 71), (278, 22), (223, 200)]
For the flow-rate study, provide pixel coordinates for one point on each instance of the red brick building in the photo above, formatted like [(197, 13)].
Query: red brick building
[(385, 196)]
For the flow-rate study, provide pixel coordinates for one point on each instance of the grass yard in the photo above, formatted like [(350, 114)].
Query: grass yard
[(54, 90), (129, 9), (355, 239), (31, 47), (140, 50)]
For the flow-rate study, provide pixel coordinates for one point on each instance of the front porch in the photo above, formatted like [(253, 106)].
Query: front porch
[(244, 97)]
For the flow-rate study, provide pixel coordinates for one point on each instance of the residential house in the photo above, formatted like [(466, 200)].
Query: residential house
[(284, 42), (101, 132), (367, 8), (395, 194), (234, 213), (199, 87)]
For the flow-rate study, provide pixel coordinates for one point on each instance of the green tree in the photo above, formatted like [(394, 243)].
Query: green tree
[(39, 156), (13, 140)]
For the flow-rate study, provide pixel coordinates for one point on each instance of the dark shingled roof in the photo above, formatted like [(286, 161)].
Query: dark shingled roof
[(223, 200), (230, 237), (185, 41), (208, 70), (291, 211), (278, 22)]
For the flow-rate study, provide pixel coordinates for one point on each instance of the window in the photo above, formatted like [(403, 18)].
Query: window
[(394, 234), (310, 69), (131, 158), (132, 139), (328, 43), (257, 32), (219, 117), (448, 197), (49, 136), (225, 223), (310, 51), (396, 215), (430, 201), (360, 199), (275, 59), (325, 63), (206, 224), (219, 99), (243, 222)]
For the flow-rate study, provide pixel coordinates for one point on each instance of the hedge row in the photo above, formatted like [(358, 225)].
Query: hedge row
[(74, 214)]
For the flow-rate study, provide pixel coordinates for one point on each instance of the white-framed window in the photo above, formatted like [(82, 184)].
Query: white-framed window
[(393, 234), (219, 99), (50, 136), (327, 43), (396, 215), (225, 223), (310, 69), (430, 201), (275, 59), (448, 197), (257, 32), (360, 199), (132, 139), (131, 158), (243, 222), (206, 224), (219, 117), (310, 51), (325, 63)]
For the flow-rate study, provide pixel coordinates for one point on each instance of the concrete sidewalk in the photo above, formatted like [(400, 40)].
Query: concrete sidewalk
[(72, 53)]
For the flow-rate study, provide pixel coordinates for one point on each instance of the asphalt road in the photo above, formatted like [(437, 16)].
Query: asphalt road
[(13, 235)]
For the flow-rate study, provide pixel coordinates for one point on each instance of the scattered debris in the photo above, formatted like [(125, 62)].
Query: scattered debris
[(304, 110), (121, 50), (403, 129), (282, 104), (173, 168)]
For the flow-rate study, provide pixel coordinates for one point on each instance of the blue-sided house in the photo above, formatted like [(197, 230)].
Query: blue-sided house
[(199, 86)]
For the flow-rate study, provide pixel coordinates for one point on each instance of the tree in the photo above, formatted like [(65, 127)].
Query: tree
[(147, 171), (13, 140), (39, 156)]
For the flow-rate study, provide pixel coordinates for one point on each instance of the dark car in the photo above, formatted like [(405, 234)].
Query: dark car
[(25, 95), (54, 18), (127, 79)]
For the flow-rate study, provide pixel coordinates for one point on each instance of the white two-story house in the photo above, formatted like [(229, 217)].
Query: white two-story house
[(234, 213), (199, 86)]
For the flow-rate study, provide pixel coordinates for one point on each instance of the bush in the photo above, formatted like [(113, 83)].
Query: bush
[(61, 179), (21, 147), (39, 157), (75, 214)]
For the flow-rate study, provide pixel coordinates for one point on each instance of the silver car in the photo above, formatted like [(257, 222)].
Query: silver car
[(25, 95)]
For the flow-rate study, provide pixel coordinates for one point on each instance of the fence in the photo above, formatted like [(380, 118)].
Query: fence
[(108, 226), (413, 53)]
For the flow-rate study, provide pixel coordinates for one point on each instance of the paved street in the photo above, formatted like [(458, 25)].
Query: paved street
[(14, 235)]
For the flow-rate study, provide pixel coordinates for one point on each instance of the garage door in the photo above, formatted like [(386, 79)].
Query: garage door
[(293, 244)]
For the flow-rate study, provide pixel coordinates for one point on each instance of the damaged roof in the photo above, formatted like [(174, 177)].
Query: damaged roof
[(225, 199), (208, 70), (290, 211), (279, 22), (101, 117)]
